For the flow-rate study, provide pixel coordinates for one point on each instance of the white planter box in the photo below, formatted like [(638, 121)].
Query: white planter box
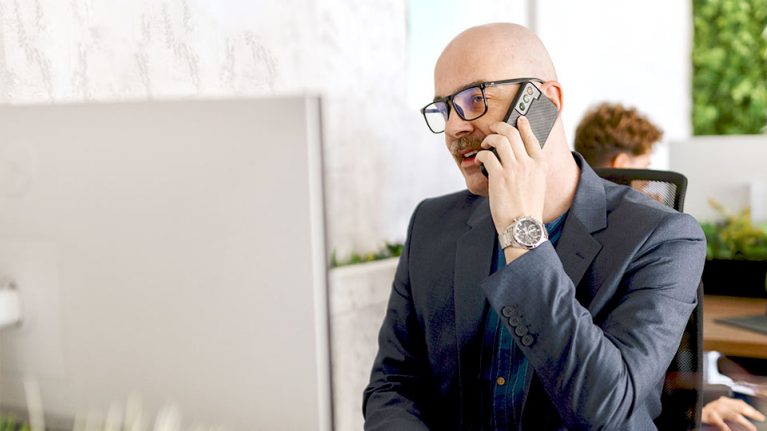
[(358, 297)]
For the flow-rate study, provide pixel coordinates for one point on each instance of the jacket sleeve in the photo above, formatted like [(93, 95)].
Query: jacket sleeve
[(597, 374), (395, 398)]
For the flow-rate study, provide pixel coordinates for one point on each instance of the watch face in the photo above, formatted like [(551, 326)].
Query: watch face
[(528, 233)]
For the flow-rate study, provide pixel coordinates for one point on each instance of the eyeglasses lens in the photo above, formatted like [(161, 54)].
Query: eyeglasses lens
[(436, 116), (469, 104)]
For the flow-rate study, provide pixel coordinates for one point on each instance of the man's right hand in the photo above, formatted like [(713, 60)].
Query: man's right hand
[(718, 412), (517, 180)]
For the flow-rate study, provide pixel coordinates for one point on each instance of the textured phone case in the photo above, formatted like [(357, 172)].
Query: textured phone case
[(542, 114)]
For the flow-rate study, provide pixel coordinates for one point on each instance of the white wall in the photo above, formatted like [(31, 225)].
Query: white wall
[(370, 60), (636, 53)]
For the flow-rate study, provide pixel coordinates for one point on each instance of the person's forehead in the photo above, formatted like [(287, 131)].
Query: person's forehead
[(475, 60), (450, 77)]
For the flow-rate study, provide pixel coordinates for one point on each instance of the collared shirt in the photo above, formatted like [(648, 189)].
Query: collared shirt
[(504, 367)]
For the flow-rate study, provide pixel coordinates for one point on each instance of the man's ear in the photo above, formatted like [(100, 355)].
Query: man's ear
[(621, 160), (553, 90)]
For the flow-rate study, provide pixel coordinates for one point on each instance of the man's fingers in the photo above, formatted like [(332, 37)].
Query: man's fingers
[(504, 150), (516, 144), (487, 158), (532, 145), (717, 421), (745, 423), (745, 409)]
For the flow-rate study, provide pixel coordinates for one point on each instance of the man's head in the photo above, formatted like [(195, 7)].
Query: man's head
[(610, 135), (492, 52)]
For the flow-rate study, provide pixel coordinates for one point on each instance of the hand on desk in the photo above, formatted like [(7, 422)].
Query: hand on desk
[(731, 410)]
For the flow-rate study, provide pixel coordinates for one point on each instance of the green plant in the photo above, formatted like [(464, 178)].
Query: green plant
[(735, 237), (385, 252), (729, 59), (9, 423)]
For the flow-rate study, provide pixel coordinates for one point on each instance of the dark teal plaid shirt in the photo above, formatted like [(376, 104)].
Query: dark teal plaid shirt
[(504, 367)]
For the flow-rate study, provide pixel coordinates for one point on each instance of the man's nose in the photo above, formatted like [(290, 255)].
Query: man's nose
[(457, 126)]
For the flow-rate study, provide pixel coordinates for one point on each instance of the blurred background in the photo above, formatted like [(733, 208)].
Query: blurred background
[(697, 68)]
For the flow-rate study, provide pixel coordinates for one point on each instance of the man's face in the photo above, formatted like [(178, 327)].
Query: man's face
[(463, 138)]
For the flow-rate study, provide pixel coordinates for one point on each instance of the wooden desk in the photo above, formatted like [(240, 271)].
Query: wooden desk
[(731, 340)]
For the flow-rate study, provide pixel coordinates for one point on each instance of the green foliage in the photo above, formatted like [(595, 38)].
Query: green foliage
[(387, 251), (735, 237), (729, 60), (11, 424)]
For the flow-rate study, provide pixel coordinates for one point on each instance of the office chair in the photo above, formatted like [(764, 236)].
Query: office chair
[(682, 398)]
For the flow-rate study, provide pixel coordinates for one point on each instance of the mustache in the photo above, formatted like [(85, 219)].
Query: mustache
[(466, 143)]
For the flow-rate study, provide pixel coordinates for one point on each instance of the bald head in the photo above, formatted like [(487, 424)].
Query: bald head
[(492, 52), (496, 52)]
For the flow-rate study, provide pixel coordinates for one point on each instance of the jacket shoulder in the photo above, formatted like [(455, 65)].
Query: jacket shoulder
[(448, 204)]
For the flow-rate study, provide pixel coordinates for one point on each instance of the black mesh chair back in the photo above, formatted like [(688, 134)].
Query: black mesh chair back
[(666, 187), (682, 398)]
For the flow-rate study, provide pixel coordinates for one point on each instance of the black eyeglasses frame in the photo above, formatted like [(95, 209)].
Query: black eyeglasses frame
[(448, 100)]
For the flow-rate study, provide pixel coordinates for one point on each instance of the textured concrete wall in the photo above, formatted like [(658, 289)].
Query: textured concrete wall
[(379, 161)]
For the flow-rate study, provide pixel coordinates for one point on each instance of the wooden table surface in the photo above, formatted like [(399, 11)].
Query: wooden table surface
[(731, 340)]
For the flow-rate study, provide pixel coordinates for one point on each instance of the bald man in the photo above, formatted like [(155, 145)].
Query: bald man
[(542, 297)]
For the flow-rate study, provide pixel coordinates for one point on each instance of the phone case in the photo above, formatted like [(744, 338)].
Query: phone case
[(541, 111)]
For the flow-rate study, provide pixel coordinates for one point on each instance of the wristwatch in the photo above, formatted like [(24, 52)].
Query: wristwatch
[(524, 232)]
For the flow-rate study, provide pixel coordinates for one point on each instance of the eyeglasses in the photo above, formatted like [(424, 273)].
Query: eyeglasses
[(469, 103)]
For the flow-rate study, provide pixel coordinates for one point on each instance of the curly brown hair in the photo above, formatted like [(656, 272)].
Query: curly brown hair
[(609, 129)]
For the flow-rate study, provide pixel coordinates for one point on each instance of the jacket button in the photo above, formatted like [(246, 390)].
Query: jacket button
[(506, 311), (521, 330), (527, 340), (514, 321)]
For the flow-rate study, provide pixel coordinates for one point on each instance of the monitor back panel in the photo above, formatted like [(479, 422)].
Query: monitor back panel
[(170, 251)]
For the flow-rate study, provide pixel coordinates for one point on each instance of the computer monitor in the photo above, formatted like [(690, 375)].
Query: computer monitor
[(728, 169), (174, 251)]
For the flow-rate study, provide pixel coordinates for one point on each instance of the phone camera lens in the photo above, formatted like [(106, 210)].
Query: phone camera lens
[(521, 106), (529, 90), (526, 98)]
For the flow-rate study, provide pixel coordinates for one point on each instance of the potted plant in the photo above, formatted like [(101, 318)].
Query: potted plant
[(9, 423), (736, 255)]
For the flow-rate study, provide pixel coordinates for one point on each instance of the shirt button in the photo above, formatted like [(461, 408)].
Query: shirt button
[(506, 311), (501, 381), (514, 321), (527, 340), (521, 330)]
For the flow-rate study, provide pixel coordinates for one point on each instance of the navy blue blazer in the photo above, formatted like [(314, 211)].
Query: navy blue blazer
[(604, 313)]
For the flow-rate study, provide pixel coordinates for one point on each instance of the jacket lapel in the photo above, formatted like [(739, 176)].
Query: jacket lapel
[(577, 248)]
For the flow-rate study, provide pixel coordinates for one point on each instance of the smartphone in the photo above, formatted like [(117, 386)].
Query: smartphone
[(539, 110)]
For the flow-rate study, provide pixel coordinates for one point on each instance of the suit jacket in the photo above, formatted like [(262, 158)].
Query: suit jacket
[(603, 313)]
